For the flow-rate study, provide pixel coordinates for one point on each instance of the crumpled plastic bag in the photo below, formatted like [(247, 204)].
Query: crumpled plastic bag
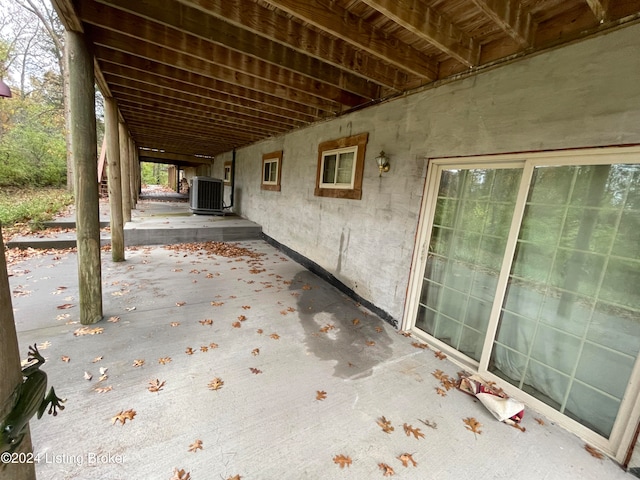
[(502, 407)]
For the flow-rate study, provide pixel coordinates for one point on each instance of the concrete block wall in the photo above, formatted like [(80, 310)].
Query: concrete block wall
[(583, 95)]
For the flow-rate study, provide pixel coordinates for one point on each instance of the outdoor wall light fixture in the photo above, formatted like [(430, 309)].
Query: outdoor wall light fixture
[(383, 162)]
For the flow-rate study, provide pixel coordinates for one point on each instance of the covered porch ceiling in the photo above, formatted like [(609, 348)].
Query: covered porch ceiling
[(201, 77)]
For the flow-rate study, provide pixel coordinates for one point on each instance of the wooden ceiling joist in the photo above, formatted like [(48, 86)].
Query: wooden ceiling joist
[(135, 68), (158, 96), (599, 8), (337, 21), (510, 17), (428, 25)]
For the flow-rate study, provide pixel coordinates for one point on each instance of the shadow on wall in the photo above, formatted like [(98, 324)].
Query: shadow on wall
[(332, 333)]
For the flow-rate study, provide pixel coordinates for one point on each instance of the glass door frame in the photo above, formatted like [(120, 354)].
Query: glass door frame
[(629, 413)]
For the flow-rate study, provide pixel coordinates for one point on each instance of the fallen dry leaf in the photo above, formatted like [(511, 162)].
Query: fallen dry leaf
[(216, 304), (306, 287), (113, 319), (441, 392), (138, 363), (420, 345), (206, 321), (259, 331), (327, 327), (204, 348), (164, 360), (472, 425), (275, 336), (355, 321), (175, 324), (195, 446), (593, 452), (180, 304), (386, 469), (180, 475), (378, 330), (242, 318), (87, 376), (213, 345), (189, 351), (236, 324), (342, 460), (215, 384), (235, 477), (155, 385), (97, 359), (540, 421), (409, 430), (439, 355), (255, 370), (65, 358), (88, 331), (255, 352), (246, 307), (130, 309), (103, 389), (123, 416), (65, 306), (407, 458), (44, 345), (385, 425), (371, 343), (321, 395)]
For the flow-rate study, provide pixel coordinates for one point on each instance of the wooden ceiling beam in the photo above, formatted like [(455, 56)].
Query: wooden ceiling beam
[(174, 157), (159, 96), (203, 118), (177, 130), (143, 111), (120, 27), (191, 63), (509, 16), (202, 90), (152, 141), (194, 23), (337, 21), (428, 25), (272, 24), (599, 9)]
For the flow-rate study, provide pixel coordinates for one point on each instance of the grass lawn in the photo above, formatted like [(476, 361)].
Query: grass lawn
[(26, 208)]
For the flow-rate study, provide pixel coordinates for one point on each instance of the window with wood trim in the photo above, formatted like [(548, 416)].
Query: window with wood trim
[(340, 167), (227, 173), (271, 171)]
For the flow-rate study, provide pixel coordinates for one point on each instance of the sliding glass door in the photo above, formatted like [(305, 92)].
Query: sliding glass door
[(531, 272)]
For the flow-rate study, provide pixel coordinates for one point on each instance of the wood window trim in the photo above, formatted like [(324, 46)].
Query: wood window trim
[(227, 179), (354, 193), (270, 157)]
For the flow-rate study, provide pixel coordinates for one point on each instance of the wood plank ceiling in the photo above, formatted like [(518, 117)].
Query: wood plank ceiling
[(200, 77)]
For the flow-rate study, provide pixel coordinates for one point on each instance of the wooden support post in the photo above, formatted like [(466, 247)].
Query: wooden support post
[(114, 182), (83, 140), (125, 170), (10, 373), (135, 165)]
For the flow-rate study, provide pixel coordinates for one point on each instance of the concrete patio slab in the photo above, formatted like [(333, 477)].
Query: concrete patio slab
[(276, 335)]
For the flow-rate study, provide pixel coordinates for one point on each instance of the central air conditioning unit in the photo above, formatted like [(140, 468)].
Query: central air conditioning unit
[(206, 196)]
